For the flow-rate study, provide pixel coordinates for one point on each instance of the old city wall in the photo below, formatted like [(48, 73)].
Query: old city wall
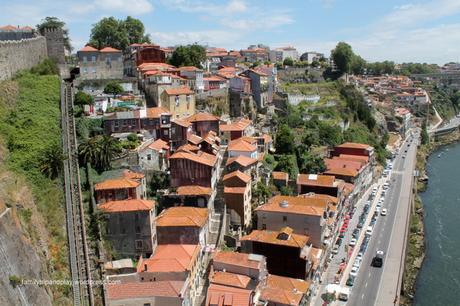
[(21, 54)]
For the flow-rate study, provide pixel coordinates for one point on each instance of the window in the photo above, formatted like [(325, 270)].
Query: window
[(139, 244), (138, 229), (284, 218), (93, 58), (166, 132), (264, 226), (177, 101), (85, 70), (84, 59), (94, 70), (149, 156)]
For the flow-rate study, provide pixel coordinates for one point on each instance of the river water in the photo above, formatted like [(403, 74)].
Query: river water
[(439, 280)]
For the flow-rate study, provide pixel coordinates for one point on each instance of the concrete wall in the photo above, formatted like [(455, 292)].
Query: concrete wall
[(21, 54), (55, 45)]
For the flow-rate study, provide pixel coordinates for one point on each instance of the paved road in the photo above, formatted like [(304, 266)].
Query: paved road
[(378, 286), (454, 122)]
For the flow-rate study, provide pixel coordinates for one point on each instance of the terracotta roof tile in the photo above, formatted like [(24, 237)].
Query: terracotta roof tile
[(183, 216), (133, 175), (203, 116), (8, 27), (315, 180), (240, 125), (242, 160), (341, 172), (193, 190), (88, 48), (109, 50), (229, 279), (364, 159), (241, 145), (238, 259), (170, 258), (228, 296), (242, 176), (284, 290), (342, 163), (159, 145), (277, 238), (182, 122), (200, 157), (188, 147), (314, 206), (195, 139), (156, 112), (127, 206), (183, 90), (118, 183), (133, 290)]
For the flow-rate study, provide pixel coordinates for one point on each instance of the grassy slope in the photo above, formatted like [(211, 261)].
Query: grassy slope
[(28, 128)]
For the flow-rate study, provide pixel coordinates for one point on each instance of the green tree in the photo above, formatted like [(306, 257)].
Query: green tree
[(160, 180), (286, 191), (113, 88), (310, 163), (358, 65), (51, 163), (343, 56), (99, 151), (288, 61), (261, 193), (82, 98), (191, 55), (135, 30), (288, 163), (285, 140), (330, 135), (424, 135), (55, 23), (109, 32)]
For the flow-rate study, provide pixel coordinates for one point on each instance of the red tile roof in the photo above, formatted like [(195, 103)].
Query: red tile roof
[(195, 139), (159, 145), (119, 183), (183, 90), (109, 50), (200, 157), (127, 206), (240, 125), (182, 122), (88, 48), (241, 145), (133, 290), (183, 216), (237, 259), (203, 116), (242, 176), (171, 258), (284, 237), (315, 180), (229, 279), (228, 296), (8, 27), (242, 160), (341, 172), (156, 112), (342, 163), (284, 290), (133, 175), (193, 190), (313, 206), (364, 159)]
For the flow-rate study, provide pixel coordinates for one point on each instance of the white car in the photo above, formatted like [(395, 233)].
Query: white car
[(357, 263), (383, 212), (335, 250), (369, 230), (352, 242), (377, 209), (359, 256), (354, 271)]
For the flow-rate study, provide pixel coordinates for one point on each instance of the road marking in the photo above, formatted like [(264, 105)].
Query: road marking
[(362, 297), (365, 285)]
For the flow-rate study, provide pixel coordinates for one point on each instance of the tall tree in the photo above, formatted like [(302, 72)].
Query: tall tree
[(285, 140), (343, 56), (135, 30), (51, 163), (113, 88), (99, 152), (55, 23), (109, 32), (191, 55), (82, 98)]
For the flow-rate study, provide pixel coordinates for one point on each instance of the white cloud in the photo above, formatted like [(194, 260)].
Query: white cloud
[(134, 7), (212, 38), (258, 22), (208, 7)]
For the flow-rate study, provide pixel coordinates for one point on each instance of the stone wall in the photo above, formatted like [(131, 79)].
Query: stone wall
[(21, 54), (55, 44)]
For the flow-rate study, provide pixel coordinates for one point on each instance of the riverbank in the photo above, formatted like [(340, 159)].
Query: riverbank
[(416, 240)]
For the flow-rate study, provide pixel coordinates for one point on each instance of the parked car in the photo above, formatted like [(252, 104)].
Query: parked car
[(335, 250), (383, 212), (350, 281), (356, 233), (339, 241), (352, 242), (354, 271), (369, 230)]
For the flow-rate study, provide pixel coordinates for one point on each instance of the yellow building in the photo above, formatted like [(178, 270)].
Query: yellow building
[(180, 101)]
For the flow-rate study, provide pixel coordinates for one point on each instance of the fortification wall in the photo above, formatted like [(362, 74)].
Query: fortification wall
[(55, 45), (21, 54)]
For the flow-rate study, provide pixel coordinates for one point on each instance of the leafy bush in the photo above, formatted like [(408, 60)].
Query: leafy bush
[(47, 67)]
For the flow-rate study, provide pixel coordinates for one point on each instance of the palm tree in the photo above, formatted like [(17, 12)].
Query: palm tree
[(108, 150), (51, 163), (99, 152)]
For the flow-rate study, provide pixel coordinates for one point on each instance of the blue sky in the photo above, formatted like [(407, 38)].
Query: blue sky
[(417, 30)]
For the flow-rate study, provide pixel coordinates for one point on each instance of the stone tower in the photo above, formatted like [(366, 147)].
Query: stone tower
[(55, 44)]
